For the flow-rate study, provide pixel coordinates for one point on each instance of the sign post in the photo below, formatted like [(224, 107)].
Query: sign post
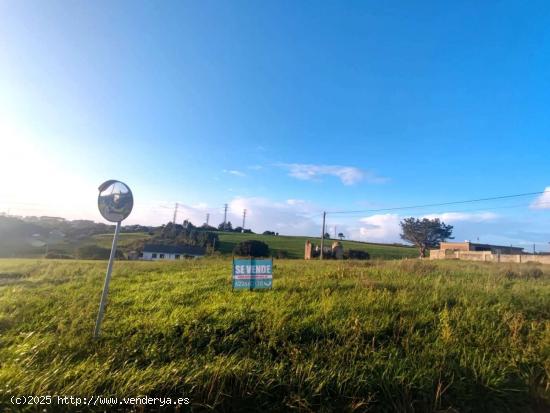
[(252, 273), (115, 202)]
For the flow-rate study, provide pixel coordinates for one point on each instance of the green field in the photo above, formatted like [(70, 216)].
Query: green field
[(377, 336), (293, 247)]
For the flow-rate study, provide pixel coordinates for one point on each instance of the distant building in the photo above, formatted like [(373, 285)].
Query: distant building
[(471, 246), (153, 252)]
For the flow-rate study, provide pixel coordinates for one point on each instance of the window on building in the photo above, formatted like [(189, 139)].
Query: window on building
[(154, 255), (161, 256)]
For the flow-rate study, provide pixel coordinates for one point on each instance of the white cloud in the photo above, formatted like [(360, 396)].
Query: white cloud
[(449, 217), (291, 217), (349, 175), (387, 228), (378, 228), (200, 205), (543, 201), (234, 172)]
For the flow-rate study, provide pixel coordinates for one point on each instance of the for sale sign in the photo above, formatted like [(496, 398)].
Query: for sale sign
[(252, 273)]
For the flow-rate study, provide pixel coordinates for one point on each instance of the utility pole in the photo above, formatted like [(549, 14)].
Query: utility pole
[(224, 216), (175, 214), (244, 218), (335, 232), (323, 235), (207, 219), (534, 249)]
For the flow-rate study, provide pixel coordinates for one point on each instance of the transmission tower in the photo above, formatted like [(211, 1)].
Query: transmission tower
[(224, 216), (175, 213)]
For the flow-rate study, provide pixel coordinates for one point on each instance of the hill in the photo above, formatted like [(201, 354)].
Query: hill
[(331, 336), (294, 246), (289, 246)]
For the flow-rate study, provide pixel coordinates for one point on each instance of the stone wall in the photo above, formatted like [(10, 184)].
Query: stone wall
[(487, 256)]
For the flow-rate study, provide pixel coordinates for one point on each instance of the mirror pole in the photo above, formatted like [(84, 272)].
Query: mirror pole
[(106, 285)]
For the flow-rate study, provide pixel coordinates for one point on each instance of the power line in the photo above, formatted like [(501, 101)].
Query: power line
[(439, 204)]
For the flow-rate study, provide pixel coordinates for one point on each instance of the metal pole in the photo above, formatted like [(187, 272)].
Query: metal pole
[(224, 216), (107, 280), (323, 236)]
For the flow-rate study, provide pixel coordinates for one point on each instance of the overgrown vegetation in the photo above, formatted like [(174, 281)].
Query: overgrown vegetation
[(373, 336), (356, 255), (251, 248), (17, 239), (94, 252), (175, 234)]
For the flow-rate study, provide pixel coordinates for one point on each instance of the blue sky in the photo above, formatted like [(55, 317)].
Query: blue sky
[(284, 108)]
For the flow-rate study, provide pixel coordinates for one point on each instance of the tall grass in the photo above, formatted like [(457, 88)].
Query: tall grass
[(405, 336)]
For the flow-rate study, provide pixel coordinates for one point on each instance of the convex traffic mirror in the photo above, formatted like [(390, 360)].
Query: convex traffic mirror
[(115, 201)]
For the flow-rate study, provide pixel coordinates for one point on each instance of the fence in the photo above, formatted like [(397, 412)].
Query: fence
[(487, 256)]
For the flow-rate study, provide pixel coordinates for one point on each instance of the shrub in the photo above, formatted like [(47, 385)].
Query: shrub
[(522, 272), (357, 255), (251, 248), (93, 252), (281, 254), (58, 256), (532, 272)]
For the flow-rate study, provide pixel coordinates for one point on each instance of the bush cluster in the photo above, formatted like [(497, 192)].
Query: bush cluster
[(93, 252), (356, 255), (251, 248)]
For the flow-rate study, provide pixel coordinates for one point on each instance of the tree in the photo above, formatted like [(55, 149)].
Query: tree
[(425, 233), (187, 224), (327, 235), (340, 235), (252, 248), (226, 227)]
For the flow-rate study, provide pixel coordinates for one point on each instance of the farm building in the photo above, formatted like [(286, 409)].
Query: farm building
[(170, 252), (471, 246)]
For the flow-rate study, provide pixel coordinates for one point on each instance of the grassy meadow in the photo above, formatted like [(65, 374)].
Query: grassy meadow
[(294, 246), (379, 336), (290, 246)]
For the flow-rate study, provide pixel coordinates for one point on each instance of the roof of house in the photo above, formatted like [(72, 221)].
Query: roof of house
[(496, 246), (174, 249), (483, 245)]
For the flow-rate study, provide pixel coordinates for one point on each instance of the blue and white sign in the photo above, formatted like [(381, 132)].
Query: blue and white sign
[(252, 273)]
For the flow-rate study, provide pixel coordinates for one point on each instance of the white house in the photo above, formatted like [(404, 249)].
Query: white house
[(152, 252)]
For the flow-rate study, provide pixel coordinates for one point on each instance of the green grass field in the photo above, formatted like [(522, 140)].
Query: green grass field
[(292, 246), (377, 336)]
